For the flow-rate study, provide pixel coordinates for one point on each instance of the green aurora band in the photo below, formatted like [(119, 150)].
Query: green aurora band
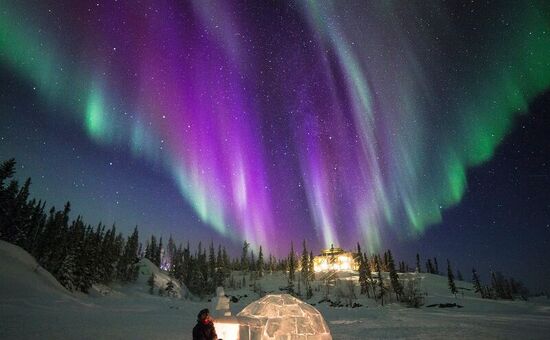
[(417, 137)]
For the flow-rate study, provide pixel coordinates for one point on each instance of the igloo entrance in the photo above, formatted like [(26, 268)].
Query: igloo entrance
[(281, 316)]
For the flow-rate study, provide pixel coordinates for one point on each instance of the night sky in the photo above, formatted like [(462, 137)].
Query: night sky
[(417, 126)]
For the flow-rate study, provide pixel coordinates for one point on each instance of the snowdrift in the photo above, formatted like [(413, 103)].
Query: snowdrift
[(22, 277), (146, 268)]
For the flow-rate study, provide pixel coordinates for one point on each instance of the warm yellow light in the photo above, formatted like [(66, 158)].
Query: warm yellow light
[(227, 331), (341, 262)]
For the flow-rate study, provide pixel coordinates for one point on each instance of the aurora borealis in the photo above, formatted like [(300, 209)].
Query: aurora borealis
[(335, 121)]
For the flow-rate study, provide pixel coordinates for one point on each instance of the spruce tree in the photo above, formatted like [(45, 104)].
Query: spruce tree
[(126, 267), (498, 283), (418, 268), (226, 263), (202, 269), (429, 267), (244, 256), (7, 170), (170, 289), (158, 253), (67, 272), (311, 266), (152, 247), (260, 264), (451, 278), (304, 263), (168, 261), (177, 264), (252, 268), (394, 278), (291, 263), (186, 266), (212, 266), (363, 275), (370, 282), (220, 268), (271, 264), (381, 288), (151, 283)]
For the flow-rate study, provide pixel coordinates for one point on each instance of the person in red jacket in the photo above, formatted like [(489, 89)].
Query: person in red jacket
[(204, 329)]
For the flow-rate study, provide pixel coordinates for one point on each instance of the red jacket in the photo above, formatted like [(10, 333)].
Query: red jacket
[(204, 331)]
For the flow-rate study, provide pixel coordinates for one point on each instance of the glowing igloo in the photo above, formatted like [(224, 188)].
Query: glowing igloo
[(282, 316)]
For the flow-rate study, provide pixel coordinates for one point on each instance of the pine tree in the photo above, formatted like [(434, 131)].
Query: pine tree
[(498, 283), (170, 288), (147, 254), (110, 255), (402, 266), (436, 267), (187, 268), (202, 271), (126, 268), (394, 278), (151, 283), (252, 261), (271, 264), (152, 249), (311, 266), (158, 253), (507, 289), (291, 263), (177, 264), (304, 264), (7, 197), (418, 268), (212, 266), (429, 267), (260, 264), (7, 170), (244, 257), (363, 274), (67, 271), (220, 270), (451, 278), (169, 256), (226, 264), (381, 288)]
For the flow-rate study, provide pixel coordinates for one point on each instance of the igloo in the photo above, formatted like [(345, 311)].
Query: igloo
[(282, 316)]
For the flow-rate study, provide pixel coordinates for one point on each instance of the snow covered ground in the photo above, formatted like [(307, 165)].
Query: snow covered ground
[(34, 306)]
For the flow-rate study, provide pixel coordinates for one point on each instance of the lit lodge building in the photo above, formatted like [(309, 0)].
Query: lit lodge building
[(335, 259)]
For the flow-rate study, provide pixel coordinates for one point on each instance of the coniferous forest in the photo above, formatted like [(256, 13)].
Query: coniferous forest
[(79, 255)]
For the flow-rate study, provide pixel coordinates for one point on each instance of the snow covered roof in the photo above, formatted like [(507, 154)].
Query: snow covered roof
[(281, 315)]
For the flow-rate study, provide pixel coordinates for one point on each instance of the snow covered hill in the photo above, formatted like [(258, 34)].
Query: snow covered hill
[(21, 276), (33, 305)]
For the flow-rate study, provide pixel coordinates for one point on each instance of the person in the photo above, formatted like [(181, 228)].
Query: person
[(204, 329)]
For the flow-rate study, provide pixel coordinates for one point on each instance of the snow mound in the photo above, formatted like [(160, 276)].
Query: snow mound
[(278, 316), (22, 277), (146, 268)]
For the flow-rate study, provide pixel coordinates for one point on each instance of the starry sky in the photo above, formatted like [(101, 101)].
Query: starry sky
[(419, 126)]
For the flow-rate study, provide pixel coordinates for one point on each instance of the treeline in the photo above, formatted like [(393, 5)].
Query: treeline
[(75, 253), (501, 287), (205, 268), (79, 255)]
